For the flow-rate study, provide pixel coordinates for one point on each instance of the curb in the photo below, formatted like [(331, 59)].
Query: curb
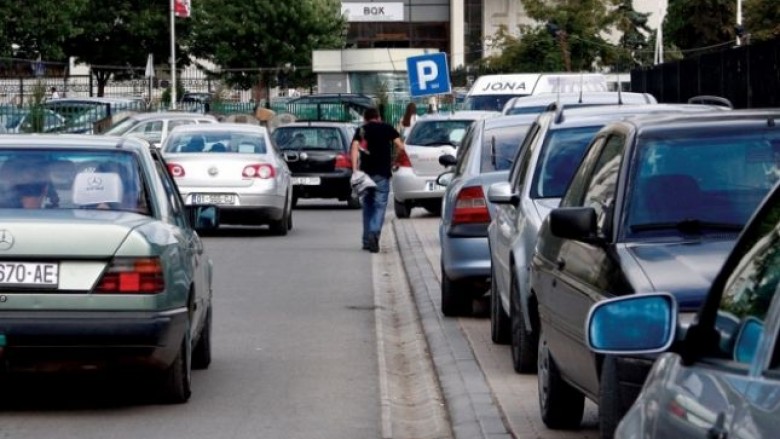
[(472, 409)]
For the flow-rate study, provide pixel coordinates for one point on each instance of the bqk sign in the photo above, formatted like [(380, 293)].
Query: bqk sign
[(367, 12), (428, 74)]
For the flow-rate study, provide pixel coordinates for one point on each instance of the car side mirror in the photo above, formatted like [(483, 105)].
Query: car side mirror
[(203, 218), (577, 223), (445, 178), (750, 331), (501, 193), (447, 160), (635, 324)]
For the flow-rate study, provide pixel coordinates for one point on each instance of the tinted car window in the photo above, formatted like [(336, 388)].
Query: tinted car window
[(561, 153), (487, 102), (500, 147), (527, 110), (713, 177), (294, 138), (217, 142), (600, 193), (438, 132)]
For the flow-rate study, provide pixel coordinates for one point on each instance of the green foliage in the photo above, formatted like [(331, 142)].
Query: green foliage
[(264, 33), (165, 98), (38, 27), (35, 120), (700, 24), (762, 19), (534, 51), (633, 26)]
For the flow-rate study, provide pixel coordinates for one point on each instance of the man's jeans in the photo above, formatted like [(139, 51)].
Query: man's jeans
[(374, 205)]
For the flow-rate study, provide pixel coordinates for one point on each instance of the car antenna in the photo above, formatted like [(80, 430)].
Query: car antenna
[(581, 86)]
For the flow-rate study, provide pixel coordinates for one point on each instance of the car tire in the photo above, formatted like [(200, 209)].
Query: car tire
[(560, 404), (284, 224), (612, 404), (201, 354), (500, 330), (353, 202), (177, 379), (524, 344), (402, 209), (454, 299)]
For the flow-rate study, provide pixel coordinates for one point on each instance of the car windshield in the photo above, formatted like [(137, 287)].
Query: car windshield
[(71, 179), (500, 146), (701, 181), (307, 137), (242, 142), (487, 102), (121, 127), (438, 132), (536, 109), (561, 153)]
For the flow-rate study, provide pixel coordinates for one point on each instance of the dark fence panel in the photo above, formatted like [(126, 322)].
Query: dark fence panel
[(749, 76)]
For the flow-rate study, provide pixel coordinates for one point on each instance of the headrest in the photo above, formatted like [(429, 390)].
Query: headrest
[(97, 187)]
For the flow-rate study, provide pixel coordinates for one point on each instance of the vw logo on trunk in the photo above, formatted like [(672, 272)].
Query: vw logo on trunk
[(6, 240), (213, 171)]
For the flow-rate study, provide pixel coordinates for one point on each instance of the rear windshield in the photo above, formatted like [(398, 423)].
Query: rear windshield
[(216, 142), (536, 109), (559, 158), (296, 138), (71, 179), (500, 147), (121, 127), (438, 132), (487, 102)]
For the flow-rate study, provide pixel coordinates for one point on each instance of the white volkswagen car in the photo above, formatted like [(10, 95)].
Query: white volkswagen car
[(415, 172)]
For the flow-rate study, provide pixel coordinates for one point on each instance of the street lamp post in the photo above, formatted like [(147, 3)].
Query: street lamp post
[(740, 30)]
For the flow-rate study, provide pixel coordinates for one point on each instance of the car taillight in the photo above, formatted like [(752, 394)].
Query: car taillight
[(471, 207), (402, 160), (132, 276), (261, 170), (343, 162), (176, 170)]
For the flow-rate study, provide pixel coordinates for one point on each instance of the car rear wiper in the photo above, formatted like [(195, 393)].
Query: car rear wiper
[(688, 225)]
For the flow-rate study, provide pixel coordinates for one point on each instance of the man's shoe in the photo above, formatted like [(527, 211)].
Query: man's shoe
[(373, 244)]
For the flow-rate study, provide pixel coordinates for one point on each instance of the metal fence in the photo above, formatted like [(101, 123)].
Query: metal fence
[(749, 76)]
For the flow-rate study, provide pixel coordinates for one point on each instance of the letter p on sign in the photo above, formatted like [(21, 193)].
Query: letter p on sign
[(428, 74)]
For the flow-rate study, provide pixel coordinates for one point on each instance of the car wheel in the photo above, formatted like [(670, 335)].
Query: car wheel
[(500, 330), (283, 225), (612, 404), (402, 209), (560, 404), (177, 378), (201, 355), (353, 202), (524, 343), (454, 299)]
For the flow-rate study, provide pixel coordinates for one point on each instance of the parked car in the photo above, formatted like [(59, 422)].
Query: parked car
[(415, 172), (22, 120), (656, 205), (536, 104), (235, 167), (83, 114), (484, 157), (154, 127), (717, 378), (317, 154), (101, 266), (539, 176)]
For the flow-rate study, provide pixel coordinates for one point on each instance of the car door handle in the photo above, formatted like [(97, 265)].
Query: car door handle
[(560, 263)]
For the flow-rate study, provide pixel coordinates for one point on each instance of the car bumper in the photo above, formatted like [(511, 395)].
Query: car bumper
[(46, 340), (408, 186), (331, 186), (466, 258)]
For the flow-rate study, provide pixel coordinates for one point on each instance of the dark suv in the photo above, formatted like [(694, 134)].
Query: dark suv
[(317, 154), (655, 206)]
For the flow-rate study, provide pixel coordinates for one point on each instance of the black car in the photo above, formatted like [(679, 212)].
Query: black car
[(317, 154), (655, 206)]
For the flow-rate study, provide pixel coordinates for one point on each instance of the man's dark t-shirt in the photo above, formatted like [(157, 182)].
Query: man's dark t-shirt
[(379, 138)]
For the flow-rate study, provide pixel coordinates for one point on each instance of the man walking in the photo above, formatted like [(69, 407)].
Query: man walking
[(372, 153)]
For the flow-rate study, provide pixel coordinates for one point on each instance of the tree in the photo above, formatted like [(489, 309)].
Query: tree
[(633, 41), (533, 51), (762, 19), (577, 26), (118, 35), (700, 24), (254, 40)]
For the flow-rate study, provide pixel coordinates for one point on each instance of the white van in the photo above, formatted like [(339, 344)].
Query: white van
[(491, 92)]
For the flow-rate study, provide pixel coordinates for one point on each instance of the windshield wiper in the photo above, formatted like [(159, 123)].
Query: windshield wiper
[(688, 225)]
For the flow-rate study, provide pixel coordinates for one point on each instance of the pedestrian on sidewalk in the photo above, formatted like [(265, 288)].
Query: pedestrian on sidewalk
[(372, 153)]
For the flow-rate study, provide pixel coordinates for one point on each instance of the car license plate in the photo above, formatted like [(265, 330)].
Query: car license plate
[(306, 181), (431, 185), (214, 199), (29, 274)]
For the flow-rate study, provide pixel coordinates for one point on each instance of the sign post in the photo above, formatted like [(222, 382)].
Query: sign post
[(428, 75)]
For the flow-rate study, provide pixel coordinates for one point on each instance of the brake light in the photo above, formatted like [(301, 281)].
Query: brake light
[(343, 162), (132, 276), (402, 160), (176, 170), (260, 170), (471, 207)]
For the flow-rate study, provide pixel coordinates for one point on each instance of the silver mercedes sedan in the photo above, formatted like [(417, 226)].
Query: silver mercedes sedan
[(235, 167)]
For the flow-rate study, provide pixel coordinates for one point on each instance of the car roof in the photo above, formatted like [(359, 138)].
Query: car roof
[(327, 98), (458, 115), (318, 123), (72, 140), (585, 98), (603, 114), (510, 120), (171, 115), (222, 126), (716, 119)]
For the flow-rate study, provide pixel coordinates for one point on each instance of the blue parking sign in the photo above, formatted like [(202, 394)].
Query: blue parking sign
[(428, 74)]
